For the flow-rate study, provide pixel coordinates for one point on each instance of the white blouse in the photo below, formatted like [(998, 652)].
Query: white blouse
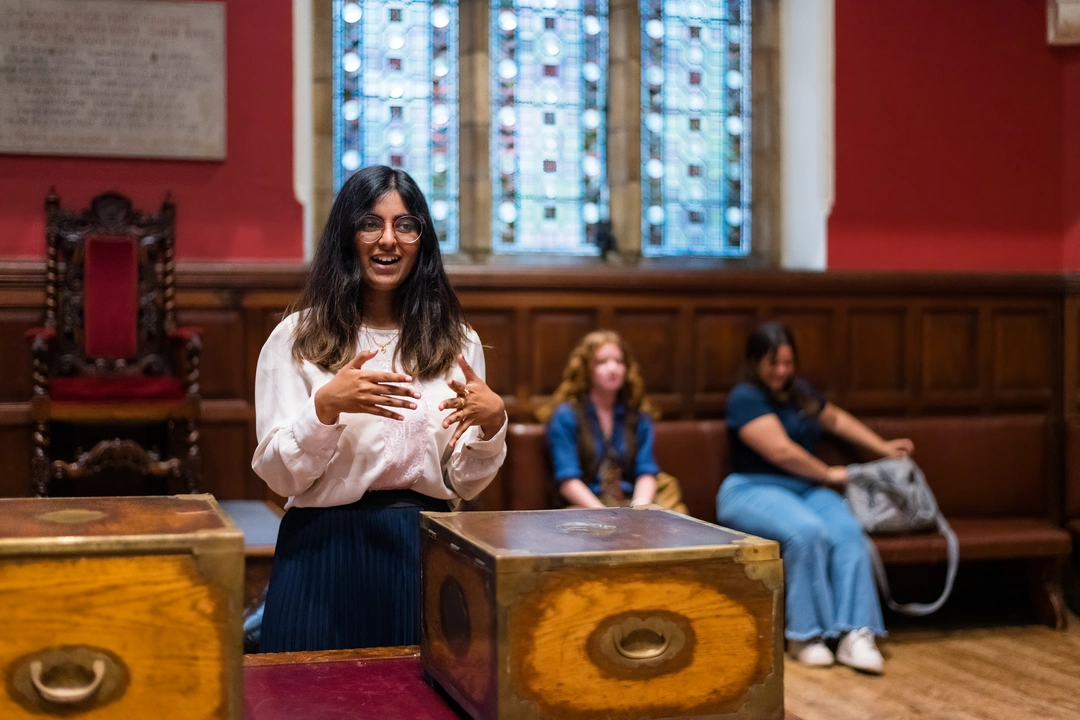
[(319, 465)]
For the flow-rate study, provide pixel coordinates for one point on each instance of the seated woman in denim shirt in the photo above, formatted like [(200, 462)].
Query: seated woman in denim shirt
[(779, 490), (601, 434)]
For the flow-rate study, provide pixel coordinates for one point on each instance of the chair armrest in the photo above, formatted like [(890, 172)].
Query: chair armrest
[(186, 333), (37, 334)]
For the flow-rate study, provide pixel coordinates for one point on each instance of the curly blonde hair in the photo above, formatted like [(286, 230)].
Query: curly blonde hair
[(577, 376)]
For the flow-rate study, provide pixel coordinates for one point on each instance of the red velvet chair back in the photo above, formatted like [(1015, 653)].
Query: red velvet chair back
[(111, 307), (109, 288)]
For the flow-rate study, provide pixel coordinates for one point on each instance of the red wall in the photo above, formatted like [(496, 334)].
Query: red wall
[(957, 146), (951, 148), (1071, 154), (242, 207)]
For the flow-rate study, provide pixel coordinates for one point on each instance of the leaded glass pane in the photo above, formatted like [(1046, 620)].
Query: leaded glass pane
[(695, 134), (548, 144), (396, 97)]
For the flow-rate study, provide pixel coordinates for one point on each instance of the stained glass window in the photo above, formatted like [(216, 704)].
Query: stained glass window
[(695, 134), (396, 97), (547, 147)]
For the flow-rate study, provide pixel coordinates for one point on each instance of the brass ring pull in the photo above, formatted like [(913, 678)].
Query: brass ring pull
[(641, 644), (66, 695), (66, 677)]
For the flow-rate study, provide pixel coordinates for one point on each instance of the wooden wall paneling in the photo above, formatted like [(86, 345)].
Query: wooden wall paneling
[(555, 332), (916, 309), (909, 343), (653, 338), (719, 346), (685, 360), (16, 380), (15, 450), (496, 331), (521, 409), (1023, 357), (226, 464), (878, 359), (1069, 367), (222, 364), (950, 358), (815, 338)]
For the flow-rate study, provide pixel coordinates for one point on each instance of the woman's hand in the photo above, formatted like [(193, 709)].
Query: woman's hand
[(475, 404), (355, 390), (836, 477), (901, 447)]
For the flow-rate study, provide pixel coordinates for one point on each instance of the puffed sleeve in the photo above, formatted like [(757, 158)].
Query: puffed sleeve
[(294, 445), (475, 459)]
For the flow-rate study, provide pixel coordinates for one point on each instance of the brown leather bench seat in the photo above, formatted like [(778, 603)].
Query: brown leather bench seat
[(989, 473)]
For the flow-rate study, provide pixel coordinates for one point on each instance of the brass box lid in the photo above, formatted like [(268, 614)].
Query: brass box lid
[(86, 525), (526, 540)]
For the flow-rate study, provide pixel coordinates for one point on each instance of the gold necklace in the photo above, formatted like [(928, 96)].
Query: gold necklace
[(382, 346)]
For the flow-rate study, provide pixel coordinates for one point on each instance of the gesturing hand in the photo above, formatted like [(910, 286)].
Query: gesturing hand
[(475, 404), (836, 477), (355, 390), (901, 447)]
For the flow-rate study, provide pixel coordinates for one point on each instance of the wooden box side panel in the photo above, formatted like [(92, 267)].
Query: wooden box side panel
[(458, 640), (173, 632), (697, 639)]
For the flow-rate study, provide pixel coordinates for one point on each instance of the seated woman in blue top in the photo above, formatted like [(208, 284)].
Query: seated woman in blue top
[(779, 490), (601, 433)]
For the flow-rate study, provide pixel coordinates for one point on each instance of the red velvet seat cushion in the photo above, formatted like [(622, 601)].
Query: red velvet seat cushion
[(115, 389)]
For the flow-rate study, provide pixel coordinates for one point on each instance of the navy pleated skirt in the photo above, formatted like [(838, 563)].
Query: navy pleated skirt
[(347, 576)]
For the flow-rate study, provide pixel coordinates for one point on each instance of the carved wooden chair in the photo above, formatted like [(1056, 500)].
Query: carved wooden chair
[(109, 353)]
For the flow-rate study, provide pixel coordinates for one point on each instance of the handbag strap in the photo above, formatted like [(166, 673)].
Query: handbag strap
[(952, 549)]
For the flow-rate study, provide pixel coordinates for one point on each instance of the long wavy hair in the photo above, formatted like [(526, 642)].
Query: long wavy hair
[(764, 342), (577, 376), (433, 328)]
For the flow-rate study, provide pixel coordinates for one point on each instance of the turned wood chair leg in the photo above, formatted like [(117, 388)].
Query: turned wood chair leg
[(39, 461), (192, 459), (1047, 594)]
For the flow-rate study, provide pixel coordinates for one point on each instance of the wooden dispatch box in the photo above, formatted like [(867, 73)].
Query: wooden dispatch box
[(120, 607), (588, 614)]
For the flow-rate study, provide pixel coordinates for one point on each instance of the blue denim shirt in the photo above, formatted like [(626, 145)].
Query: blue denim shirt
[(562, 432)]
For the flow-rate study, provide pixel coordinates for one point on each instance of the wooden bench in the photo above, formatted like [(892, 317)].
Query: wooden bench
[(990, 475)]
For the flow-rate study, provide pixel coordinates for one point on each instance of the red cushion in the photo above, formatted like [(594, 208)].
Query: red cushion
[(115, 389), (110, 310)]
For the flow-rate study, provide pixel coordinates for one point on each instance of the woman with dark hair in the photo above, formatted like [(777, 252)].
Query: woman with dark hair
[(779, 490), (370, 406), (600, 430)]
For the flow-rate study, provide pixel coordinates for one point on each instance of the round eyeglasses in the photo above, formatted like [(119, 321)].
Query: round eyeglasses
[(406, 228)]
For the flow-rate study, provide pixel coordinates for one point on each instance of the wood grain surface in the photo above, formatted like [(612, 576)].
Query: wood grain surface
[(155, 613)]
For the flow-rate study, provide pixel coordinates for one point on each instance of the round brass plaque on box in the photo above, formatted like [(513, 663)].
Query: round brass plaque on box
[(454, 617)]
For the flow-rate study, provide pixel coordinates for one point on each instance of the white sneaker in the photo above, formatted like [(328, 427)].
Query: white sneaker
[(858, 650), (813, 652)]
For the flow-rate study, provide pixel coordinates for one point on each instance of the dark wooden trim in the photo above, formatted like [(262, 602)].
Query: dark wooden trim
[(591, 276)]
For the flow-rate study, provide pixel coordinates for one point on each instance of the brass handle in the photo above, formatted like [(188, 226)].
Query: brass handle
[(640, 644), (66, 695)]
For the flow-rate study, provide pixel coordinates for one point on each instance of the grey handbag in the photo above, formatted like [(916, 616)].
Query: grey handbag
[(892, 496)]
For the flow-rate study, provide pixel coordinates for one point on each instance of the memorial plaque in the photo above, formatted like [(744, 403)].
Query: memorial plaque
[(122, 78)]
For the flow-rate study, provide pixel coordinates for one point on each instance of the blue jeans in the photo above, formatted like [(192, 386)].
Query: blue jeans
[(830, 586)]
